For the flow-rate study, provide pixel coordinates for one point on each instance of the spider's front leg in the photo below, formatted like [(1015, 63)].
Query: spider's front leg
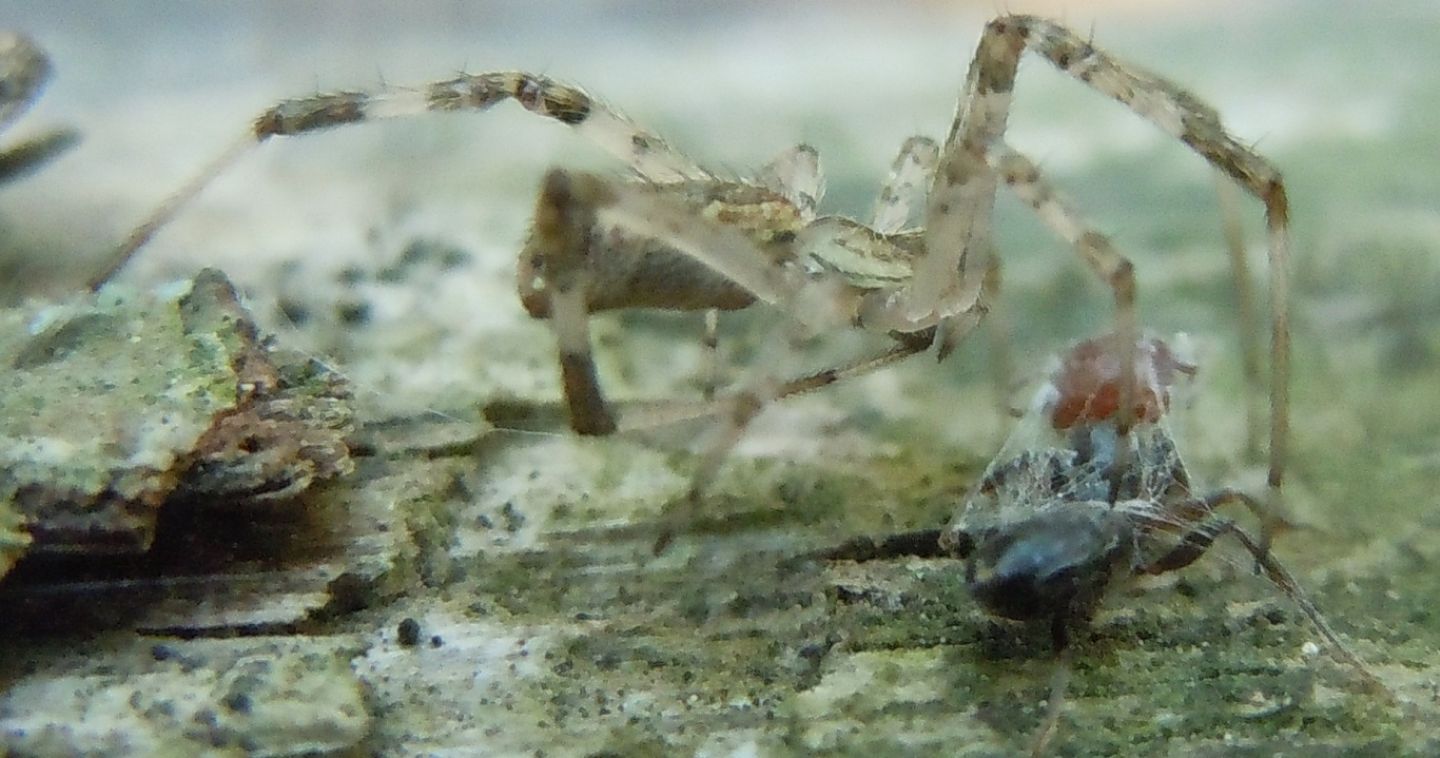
[(646, 153), (947, 288)]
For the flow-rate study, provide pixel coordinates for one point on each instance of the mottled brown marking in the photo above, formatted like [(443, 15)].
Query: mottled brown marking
[(588, 412), (542, 95), (311, 114), (744, 408), (998, 56)]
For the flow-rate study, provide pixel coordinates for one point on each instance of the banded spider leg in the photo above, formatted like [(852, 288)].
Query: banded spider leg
[(684, 238)]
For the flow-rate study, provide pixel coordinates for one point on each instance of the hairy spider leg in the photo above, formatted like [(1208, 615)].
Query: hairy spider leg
[(647, 154), (961, 200)]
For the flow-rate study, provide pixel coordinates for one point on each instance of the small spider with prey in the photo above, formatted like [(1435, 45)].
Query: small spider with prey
[(678, 236), (1049, 526)]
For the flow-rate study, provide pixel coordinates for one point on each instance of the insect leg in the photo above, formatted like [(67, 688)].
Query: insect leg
[(1059, 682), (1199, 539), (925, 543)]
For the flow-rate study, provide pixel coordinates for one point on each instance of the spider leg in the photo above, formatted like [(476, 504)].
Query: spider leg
[(722, 249), (586, 254), (1203, 534), (904, 189), (564, 224), (20, 159), (948, 278), (738, 409), (997, 329), (1244, 312), (1183, 116), (601, 243), (710, 348), (1023, 178), (643, 415), (643, 151), (795, 175)]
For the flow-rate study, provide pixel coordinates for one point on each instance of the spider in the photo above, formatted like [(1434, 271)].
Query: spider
[(678, 236)]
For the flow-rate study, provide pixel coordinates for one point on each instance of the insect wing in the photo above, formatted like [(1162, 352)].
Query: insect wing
[(1041, 467)]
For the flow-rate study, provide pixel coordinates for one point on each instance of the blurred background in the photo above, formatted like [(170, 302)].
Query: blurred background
[(1342, 96), (387, 251)]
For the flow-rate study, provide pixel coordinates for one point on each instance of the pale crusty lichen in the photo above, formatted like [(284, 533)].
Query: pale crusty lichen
[(111, 402), (102, 397), (264, 697)]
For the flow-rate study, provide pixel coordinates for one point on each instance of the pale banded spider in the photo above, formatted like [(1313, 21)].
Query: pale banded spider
[(678, 236)]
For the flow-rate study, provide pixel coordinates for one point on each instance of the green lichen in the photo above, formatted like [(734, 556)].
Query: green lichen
[(123, 362), (530, 555), (103, 396)]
